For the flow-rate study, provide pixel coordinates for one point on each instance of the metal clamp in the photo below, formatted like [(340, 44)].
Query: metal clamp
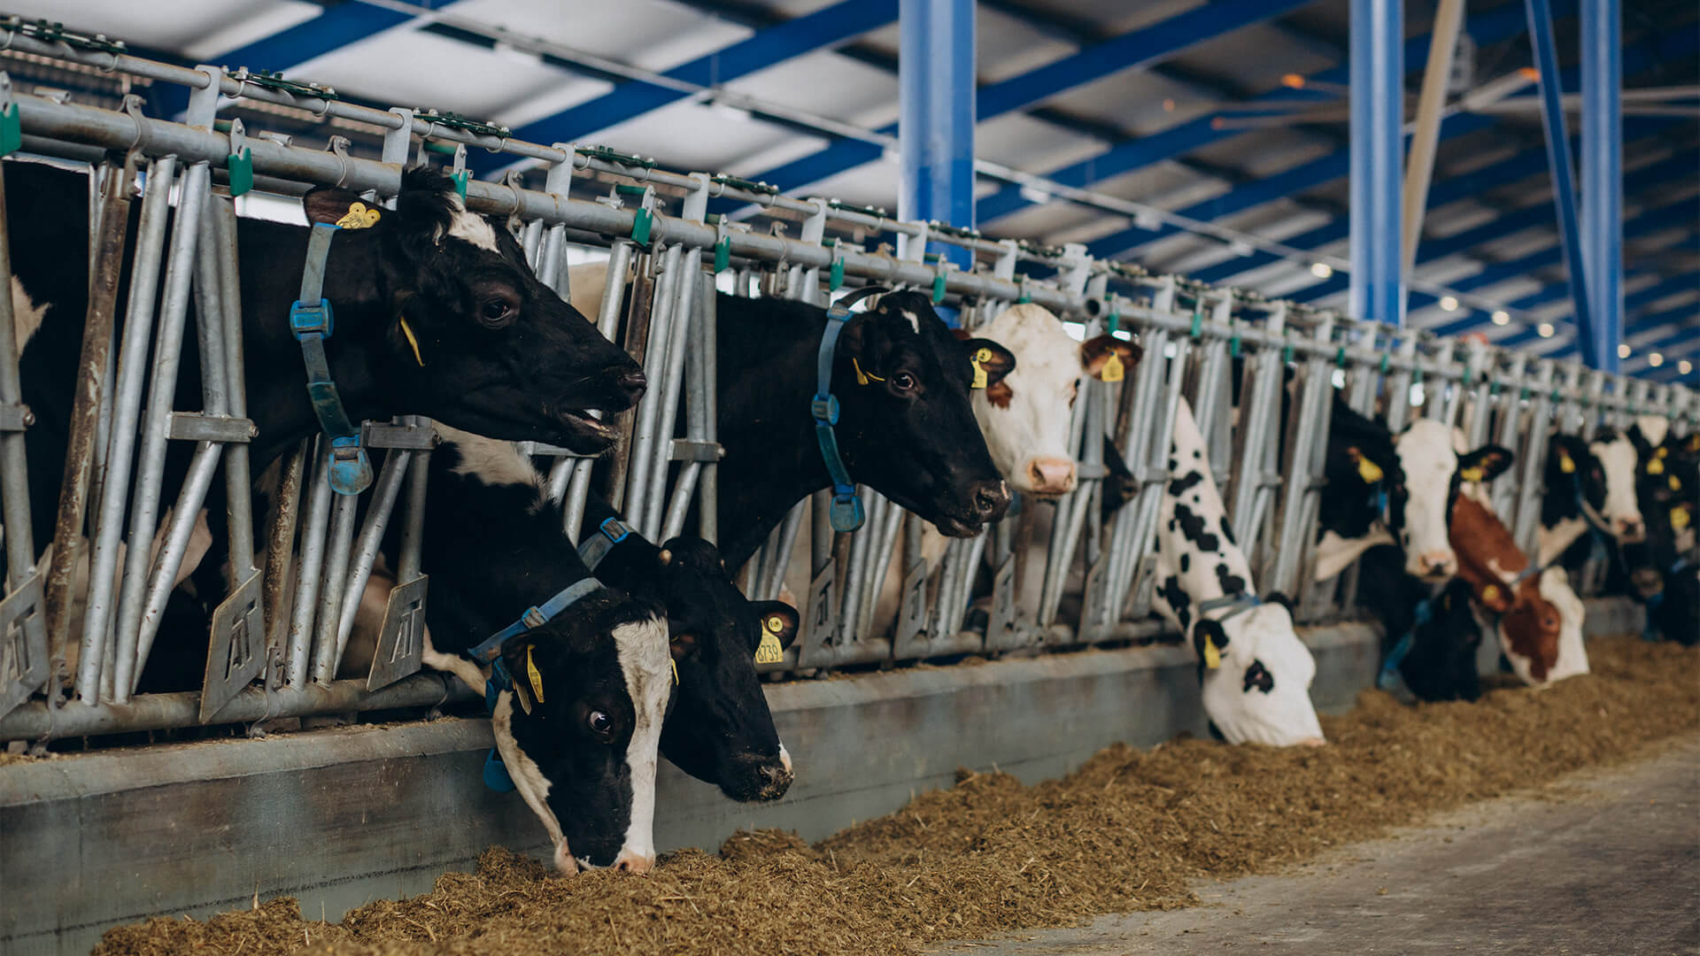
[(196, 426)]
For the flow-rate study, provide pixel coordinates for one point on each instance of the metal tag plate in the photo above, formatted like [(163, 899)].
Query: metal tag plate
[(236, 646), (401, 642), (1000, 629), (1092, 615), (912, 613), (23, 643), (823, 612)]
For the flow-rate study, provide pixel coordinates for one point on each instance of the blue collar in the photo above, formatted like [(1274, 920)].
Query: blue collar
[(596, 545), (1388, 679), (1237, 603), (312, 321), (489, 652), (846, 514)]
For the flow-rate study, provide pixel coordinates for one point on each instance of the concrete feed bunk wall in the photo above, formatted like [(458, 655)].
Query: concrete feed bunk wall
[(344, 816)]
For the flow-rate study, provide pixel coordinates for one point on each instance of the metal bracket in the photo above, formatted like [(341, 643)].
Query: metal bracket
[(420, 437), (15, 418), (23, 643), (1093, 620), (912, 612), (194, 426), (1144, 587), (236, 646), (823, 613), (686, 449), (1000, 628), (401, 641)]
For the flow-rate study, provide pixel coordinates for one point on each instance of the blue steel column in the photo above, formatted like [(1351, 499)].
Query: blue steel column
[(1378, 102), (1563, 178), (936, 113), (1602, 178)]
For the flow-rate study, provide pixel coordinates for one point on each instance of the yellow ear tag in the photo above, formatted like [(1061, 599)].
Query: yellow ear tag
[(1369, 471), (1471, 474), (1655, 467), (1114, 371), (1679, 518), (358, 217), (862, 378), (536, 678), (1566, 464), (675, 664), (1212, 656), (1490, 592), (407, 330), (980, 358), (769, 651), (1675, 484)]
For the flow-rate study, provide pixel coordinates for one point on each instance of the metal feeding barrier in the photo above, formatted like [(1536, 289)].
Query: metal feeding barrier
[(1058, 574)]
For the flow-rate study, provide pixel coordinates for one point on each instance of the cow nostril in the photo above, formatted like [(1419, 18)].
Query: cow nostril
[(990, 500), (634, 381)]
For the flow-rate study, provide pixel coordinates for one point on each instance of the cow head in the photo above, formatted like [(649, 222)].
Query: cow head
[(1024, 414), (720, 730), (1433, 471), (906, 425), (469, 335), (1529, 633), (1441, 664), (579, 730), (1259, 692), (1620, 461), (1667, 491), (1363, 474), (1573, 474)]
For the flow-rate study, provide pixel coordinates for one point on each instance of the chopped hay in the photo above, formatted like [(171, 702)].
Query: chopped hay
[(1129, 830)]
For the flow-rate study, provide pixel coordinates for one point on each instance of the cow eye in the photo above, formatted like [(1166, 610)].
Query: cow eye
[(600, 723), (497, 311), (903, 382)]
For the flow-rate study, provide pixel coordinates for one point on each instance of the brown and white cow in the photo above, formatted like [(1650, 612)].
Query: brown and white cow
[(1539, 616)]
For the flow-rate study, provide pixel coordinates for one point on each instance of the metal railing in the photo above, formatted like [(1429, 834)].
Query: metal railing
[(278, 638)]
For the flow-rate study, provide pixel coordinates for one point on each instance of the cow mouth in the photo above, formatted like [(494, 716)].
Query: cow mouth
[(957, 528), (584, 435)]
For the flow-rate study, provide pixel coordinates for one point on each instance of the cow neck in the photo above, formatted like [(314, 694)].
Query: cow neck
[(772, 461), (276, 378), (629, 564)]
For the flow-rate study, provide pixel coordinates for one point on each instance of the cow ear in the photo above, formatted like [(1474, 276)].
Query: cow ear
[(681, 642), (1209, 639), (1485, 463), (961, 335), (331, 206), (426, 206), (1276, 597), (1095, 354), (991, 362), (520, 658), (777, 619)]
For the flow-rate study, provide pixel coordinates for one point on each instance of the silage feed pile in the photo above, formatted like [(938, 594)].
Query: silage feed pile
[(1130, 830)]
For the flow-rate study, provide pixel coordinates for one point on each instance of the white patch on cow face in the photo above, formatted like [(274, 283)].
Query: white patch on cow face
[(1653, 428), (1029, 438), (647, 667), (1263, 650), (472, 228), (1572, 654), (26, 315), (785, 758), (1621, 512), (914, 320), (529, 780), (1426, 456), (489, 460)]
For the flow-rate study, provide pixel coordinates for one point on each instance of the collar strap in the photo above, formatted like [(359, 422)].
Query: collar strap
[(1389, 677), (312, 321), (1237, 603), (596, 546), (846, 513), (490, 650)]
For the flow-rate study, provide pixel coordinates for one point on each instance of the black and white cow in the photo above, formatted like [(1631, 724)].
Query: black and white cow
[(1441, 663), (906, 426), (1255, 672), (580, 727), (1589, 489), (436, 314), (1668, 494)]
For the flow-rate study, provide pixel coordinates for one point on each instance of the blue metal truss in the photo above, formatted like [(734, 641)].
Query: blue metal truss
[(1135, 50), (334, 28)]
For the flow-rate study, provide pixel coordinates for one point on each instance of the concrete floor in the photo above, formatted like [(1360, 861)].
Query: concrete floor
[(1606, 864)]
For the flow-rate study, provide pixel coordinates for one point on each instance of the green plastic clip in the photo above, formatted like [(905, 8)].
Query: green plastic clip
[(1493, 389), (1416, 376), (11, 130), (241, 168), (1197, 324), (642, 220), (1523, 396), (1340, 357), (938, 288), (460, 183), (1556, 397), (1023, 298), (835, 278), (722, 254), (1385, 359), (1115, 323), (1234, 347)]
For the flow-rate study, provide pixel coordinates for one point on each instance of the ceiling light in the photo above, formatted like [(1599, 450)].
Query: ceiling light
[(1501, 317), (1623, 350), (1685, 366), (1449, 303), (1168, 106), (1544, 329), (1655, 359), (1321, 270)]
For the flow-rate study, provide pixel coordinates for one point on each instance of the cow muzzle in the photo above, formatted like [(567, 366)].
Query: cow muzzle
[(629, 862), (1051, 476), (756, 778), (1435, 565), (1629, 530)]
